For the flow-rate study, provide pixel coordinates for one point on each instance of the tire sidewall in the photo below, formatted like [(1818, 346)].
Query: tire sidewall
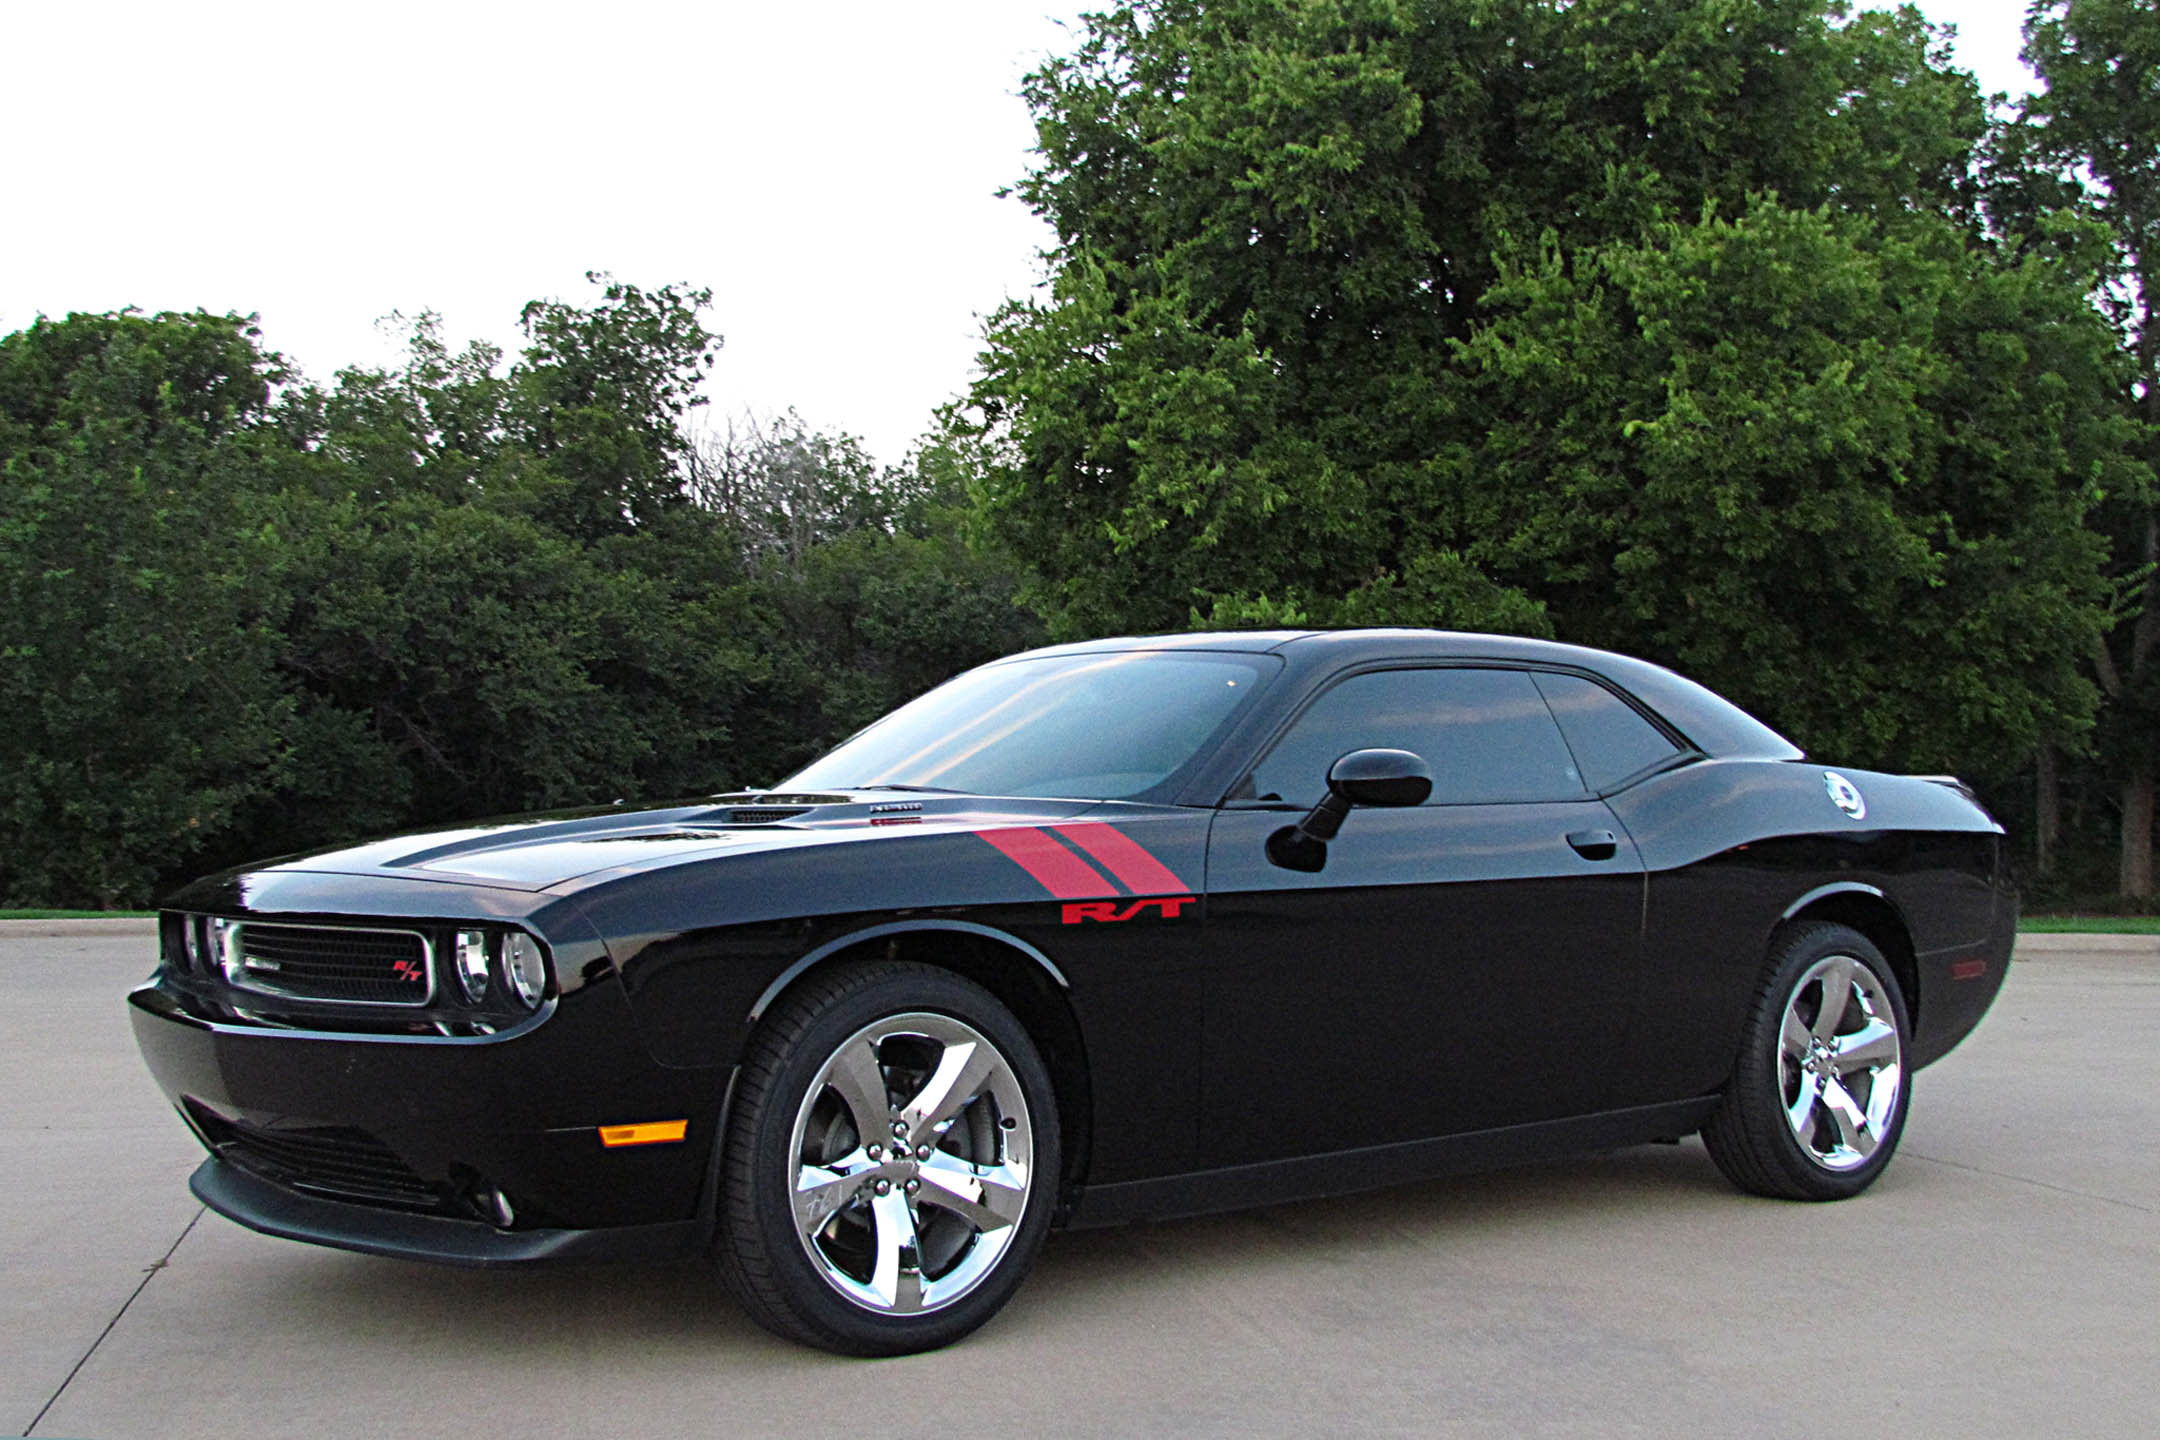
[(768, 1133)]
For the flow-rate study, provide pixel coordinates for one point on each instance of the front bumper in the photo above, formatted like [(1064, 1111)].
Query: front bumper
[(275, 1210), (401, 1144)]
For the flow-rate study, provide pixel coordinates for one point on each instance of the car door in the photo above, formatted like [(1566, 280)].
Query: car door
[(1455, 966)]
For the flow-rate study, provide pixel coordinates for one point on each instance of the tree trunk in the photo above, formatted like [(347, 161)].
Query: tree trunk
[(2137, 830), (2137, 836), (2137, 817), (2047, 811)]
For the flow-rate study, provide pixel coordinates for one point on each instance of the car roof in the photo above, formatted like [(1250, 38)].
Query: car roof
[(1713, 724)]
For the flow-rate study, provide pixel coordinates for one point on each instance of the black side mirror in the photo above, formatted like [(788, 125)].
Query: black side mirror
[(1363, 777)]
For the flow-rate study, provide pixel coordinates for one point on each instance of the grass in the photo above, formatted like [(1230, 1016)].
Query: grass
[(2090, 925), (76, 914)]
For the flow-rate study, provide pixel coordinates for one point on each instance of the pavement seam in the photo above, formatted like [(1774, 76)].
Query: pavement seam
[(2037, 1184), (162, 1262)]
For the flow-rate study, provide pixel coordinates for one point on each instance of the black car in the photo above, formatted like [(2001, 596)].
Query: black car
[(1126, 929)]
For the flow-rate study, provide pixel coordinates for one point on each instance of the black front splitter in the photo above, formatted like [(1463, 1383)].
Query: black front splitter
[(441, 1240)]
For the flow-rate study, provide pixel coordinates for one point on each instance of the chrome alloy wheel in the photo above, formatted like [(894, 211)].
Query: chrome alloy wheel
[(911, 1163), (1840, 1067)]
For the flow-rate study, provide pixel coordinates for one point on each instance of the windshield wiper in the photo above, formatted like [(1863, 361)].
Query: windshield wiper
[(916, 789)]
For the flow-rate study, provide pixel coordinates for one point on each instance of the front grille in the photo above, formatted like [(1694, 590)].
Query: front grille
[(309, 962), (327, 1160)]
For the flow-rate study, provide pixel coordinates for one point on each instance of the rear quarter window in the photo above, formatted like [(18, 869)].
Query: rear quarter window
[(1612, 741)]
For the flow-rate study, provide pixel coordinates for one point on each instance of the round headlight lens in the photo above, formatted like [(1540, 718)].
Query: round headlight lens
[(525, 967), (472, 963)]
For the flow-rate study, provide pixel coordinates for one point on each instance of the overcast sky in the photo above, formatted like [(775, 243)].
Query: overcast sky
[(828, 171)]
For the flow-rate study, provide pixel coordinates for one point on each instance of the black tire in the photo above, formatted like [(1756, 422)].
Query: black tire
[(833, 1234), (1815, 1108)]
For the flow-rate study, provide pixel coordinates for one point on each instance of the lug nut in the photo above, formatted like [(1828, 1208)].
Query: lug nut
[(922, 1152), (875, 1151), (884, 1187), (913, 1186)]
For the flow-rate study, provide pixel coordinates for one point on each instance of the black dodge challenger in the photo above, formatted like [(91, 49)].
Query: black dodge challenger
[(1132, 928)]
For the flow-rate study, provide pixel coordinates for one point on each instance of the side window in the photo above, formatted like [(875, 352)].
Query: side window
[(1610, 739), (1486, 733)]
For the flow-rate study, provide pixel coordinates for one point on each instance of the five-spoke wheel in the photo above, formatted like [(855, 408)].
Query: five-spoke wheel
[(913, 1162), (891, 1161), (1840, 1062), (1818, 1096)]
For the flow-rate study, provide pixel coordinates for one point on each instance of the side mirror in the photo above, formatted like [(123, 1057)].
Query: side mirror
[(1363, 777), (1380, 777)]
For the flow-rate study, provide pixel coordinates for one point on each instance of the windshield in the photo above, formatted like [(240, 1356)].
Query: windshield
[(1098, 727)]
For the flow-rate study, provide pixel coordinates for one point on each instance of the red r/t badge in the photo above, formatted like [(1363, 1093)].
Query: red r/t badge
[(1114, 910)]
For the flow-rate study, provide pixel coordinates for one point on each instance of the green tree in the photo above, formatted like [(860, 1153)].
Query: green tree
[(600, 394), (879, 590), (502, 598), (1461, 312), (1884, 448), (2093, 134), (138, 626)]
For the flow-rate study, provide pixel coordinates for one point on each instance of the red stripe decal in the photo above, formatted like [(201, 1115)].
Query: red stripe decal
[(1056, 868), (1134, 864)]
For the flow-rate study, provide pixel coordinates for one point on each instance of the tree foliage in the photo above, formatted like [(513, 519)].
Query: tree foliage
[(1671, 327), (1777, 448), (1733, 333), (138, 633), (2088, 144), (246, 615)]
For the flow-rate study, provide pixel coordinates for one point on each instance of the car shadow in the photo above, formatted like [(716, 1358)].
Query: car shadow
[(680, 1309), (1593, 1190)]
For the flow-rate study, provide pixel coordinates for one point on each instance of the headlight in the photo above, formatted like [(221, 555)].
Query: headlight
[(525, 967), (472, 963)]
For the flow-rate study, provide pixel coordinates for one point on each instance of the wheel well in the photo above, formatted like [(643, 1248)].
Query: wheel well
[(1877, 919), (1021, 985)]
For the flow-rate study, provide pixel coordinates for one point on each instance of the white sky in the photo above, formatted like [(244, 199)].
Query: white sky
[(829, 172)]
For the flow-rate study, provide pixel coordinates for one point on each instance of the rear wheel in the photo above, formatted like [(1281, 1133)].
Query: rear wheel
[(891, 1161), (1818, 1096)]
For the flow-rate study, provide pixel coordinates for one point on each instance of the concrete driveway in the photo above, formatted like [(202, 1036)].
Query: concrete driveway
[(2002, 1279)]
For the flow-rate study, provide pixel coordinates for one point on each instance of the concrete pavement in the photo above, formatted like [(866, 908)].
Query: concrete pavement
[(2002, 1279)]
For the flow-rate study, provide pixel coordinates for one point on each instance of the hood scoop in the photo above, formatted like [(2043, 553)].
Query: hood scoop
[(763, 814), (752, 807)]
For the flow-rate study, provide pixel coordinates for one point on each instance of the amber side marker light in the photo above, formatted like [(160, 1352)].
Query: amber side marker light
[(655, 1132)]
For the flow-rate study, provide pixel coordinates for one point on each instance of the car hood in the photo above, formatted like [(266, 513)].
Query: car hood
[(574, 849)]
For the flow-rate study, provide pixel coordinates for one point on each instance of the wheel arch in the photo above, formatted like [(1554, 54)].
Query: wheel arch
[(1868, 910), (1023, 980)]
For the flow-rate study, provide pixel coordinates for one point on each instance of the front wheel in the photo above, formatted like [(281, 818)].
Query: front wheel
[(891, 1161), (1818, 1095)]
